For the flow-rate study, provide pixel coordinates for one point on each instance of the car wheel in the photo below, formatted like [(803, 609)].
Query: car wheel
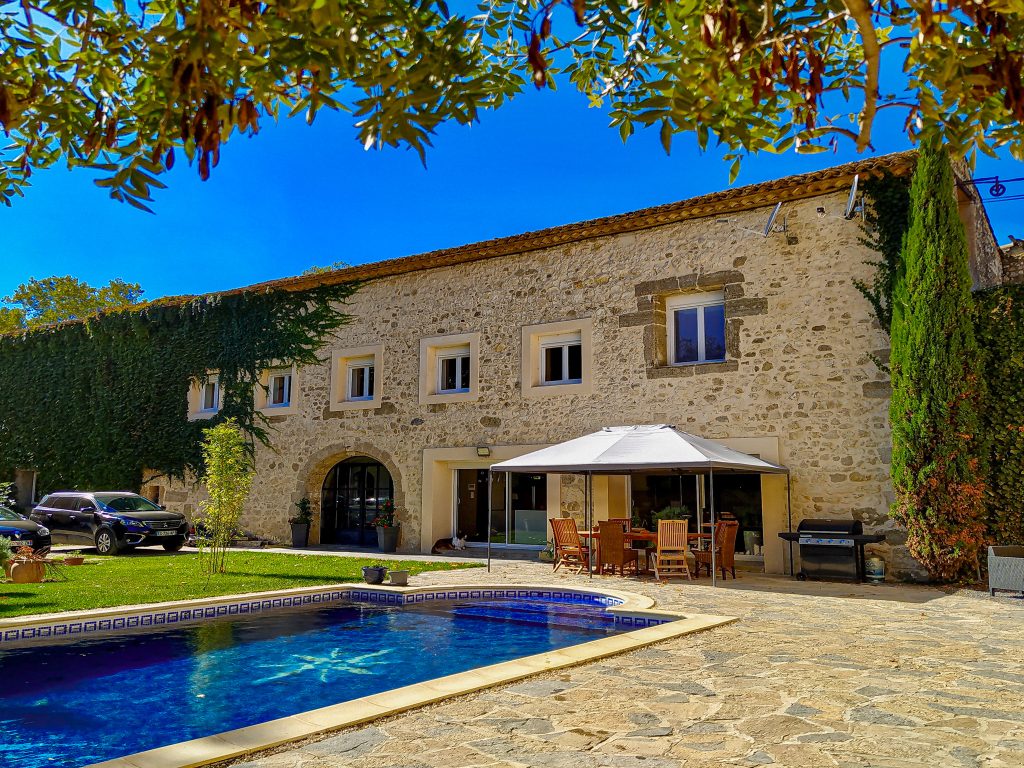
[(106, 541), (174, 545)]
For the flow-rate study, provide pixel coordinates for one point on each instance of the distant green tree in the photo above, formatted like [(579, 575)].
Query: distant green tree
[(328, 268), (55, 299), (935, 365)]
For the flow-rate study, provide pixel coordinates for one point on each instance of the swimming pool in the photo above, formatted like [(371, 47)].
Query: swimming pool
[(79, 703)]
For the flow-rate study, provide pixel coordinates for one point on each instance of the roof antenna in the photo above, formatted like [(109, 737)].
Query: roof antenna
[(769, 226), (854, 205)]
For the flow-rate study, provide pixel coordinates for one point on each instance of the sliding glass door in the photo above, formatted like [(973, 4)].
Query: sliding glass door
[(518, 513)]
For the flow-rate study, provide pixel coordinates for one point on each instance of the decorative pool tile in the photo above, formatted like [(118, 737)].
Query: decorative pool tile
[(177, 615)]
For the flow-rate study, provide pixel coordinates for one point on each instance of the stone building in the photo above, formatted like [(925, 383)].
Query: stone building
[(686, 314)]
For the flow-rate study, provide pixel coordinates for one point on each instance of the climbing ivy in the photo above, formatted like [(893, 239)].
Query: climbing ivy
[(93, 404), (999, 326), (886, 217)]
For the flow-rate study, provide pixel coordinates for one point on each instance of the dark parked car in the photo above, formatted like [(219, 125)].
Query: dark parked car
[(24, 532), (110, 520)]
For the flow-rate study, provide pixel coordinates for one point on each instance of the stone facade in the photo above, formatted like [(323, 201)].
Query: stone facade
[(798, 375), (1012, 257)]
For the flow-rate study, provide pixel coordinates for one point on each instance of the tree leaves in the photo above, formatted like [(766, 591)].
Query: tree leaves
[(100, 87)]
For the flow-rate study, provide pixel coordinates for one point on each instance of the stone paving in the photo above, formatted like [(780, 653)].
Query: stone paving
[(811, 675)]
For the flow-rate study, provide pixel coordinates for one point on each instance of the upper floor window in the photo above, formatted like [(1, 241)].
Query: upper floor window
[(449, 368), (204, 397), (279, 393), (558, 358), (561, 359), (696, 328), (453, 370), (209, 396), (356, 377), (360, 378)]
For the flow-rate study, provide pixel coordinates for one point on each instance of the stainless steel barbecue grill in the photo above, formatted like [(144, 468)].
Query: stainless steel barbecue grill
[(831, 549)]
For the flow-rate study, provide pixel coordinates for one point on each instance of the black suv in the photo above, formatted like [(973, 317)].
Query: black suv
[(109, 520)]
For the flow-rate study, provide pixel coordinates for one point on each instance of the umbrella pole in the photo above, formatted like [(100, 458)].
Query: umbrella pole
[(789, 522), (490, 505), (589, 501), (711, 490)]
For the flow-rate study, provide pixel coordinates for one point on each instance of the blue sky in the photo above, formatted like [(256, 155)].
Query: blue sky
[(297, 196)]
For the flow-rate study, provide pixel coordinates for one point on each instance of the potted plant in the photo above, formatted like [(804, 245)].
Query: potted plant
[(27, 567), (387, 527), (73, 558), (399, 578), (300, 523), (6, 555), (374, 574)]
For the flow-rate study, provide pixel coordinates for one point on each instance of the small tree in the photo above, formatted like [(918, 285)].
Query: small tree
[(228, 477), (936, 387)]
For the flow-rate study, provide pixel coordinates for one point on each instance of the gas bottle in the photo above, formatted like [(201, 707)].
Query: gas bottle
[(874, 570)]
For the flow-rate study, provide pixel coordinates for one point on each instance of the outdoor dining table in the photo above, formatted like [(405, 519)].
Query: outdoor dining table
[(638, 534)]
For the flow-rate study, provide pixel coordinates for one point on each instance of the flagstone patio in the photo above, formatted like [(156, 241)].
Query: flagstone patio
[(812, 675)]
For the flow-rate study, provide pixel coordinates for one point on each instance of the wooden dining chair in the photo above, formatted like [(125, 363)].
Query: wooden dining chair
[(568, 546), (625, 522), (725, 549), (614, 551), (670, 552)]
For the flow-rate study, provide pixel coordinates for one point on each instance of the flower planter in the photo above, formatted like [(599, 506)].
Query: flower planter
[(374, 574), (300, 534), (28, 572), (387, 538), (399, 578), (74, 560)]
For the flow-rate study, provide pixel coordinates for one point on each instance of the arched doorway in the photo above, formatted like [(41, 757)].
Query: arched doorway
[(353, 492)]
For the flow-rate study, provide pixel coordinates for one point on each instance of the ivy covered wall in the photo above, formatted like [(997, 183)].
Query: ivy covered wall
[(92, 404), (1000, 331)]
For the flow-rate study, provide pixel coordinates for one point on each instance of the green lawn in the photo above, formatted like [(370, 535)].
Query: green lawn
[(153, 577)]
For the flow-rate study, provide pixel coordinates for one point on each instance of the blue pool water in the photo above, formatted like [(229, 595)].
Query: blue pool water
[(75, 704)]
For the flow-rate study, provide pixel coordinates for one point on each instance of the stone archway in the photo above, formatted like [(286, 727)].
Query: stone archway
[(313, 474)]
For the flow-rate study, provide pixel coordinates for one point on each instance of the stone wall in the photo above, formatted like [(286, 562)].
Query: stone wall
[(1013, 262), (799, 369)]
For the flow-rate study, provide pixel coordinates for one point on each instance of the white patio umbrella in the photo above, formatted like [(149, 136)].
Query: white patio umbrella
[(640, 449)]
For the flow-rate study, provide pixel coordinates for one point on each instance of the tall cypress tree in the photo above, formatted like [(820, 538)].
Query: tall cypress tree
[(935, 366)]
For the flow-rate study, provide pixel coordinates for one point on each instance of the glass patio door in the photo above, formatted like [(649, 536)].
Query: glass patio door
[(353, 493), (518, 514)]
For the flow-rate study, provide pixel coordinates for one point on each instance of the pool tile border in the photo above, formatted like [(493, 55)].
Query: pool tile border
[(221, 747), (43, 629)]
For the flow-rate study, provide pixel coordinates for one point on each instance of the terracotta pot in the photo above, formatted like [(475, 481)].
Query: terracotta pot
[(74, 560), (28, 572)]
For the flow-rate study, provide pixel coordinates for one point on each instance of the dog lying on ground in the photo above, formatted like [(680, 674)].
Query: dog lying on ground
[(448, 545)]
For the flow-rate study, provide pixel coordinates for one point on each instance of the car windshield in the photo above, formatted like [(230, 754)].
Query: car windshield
[(120, 502), (9, 514)]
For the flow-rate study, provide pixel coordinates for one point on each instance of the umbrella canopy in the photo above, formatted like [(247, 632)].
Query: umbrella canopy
[(644, 448)]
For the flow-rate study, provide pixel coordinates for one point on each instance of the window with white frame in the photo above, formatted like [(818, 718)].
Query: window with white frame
[(209, 395), (279, 389), (360, 378), (561, 359), (453, 365), (695, 323)]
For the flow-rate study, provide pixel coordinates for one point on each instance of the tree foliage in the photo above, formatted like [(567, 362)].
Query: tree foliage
[(57, 299), (130, 91), (937, 390), (227, 477), (1000, 331), (95, 403)]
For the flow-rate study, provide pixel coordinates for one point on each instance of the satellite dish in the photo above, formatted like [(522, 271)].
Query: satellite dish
[(851, 201), (770, 224)]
